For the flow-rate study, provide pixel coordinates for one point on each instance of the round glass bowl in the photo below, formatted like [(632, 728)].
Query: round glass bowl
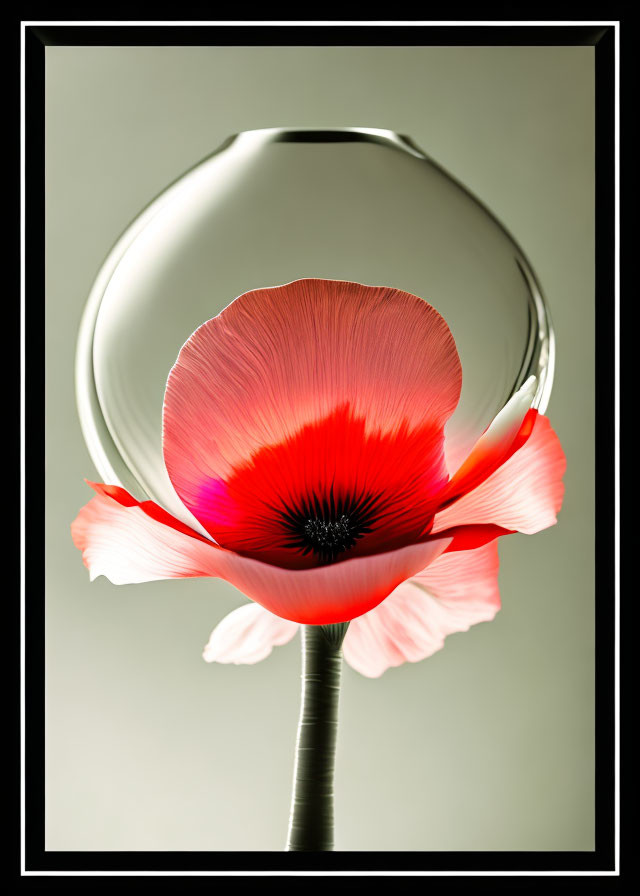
[(272, 206)]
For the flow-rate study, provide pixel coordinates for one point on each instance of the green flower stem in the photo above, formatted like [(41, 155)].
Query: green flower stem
[(311, 819)]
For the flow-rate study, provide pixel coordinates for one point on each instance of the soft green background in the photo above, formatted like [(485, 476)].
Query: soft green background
[(487, 745)]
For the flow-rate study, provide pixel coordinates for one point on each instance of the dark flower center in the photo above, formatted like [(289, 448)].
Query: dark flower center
[(330, 537), (328, 527)]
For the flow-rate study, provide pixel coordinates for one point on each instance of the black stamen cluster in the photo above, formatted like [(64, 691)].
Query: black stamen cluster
[(328, 527), (328, 536)]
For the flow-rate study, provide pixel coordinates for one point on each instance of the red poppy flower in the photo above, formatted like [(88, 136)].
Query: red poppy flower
[(304, 430)]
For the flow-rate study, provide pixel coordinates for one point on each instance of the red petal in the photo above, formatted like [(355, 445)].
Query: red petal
[(507, 433), (152, 509), (398, 474), (277, 360), (523, 495)]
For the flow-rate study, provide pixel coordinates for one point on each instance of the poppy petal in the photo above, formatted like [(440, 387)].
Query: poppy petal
[(467, 538), (508, 431), (120, 540), (523, 495), (248, 635), (455, 592), (386, 487), (279, 359)]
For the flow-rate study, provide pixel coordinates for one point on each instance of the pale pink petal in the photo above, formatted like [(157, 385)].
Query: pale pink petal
[(122, 542), (278, 359), (248, 635), (509, 430), (127, 544), (455, 592), (524, 494)]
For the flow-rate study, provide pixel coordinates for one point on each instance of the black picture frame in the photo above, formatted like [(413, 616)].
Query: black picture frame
[(32, 856)]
